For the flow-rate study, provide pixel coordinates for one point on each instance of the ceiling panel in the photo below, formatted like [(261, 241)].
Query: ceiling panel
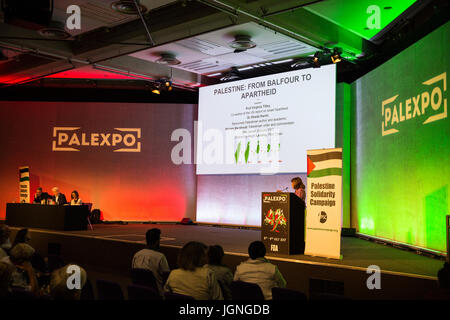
[(98, 13), (207, 65), (204, 46), (211, 53)]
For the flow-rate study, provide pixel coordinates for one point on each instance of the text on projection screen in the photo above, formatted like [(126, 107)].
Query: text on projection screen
[(265, 125)]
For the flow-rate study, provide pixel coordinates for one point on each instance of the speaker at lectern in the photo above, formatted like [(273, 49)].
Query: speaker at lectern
[(283, 223)]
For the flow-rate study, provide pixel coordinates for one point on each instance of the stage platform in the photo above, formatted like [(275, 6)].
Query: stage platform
[(404, 274)]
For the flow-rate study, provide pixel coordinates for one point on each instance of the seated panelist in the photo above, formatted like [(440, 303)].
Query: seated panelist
[(40, 196), (75, 199), (58, 197)]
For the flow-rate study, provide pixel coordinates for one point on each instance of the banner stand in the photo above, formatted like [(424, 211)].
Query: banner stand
[(24, 184), (324, 203)]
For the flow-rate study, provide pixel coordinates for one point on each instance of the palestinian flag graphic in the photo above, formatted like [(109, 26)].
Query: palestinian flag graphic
[(321, 163), (24, 184), (24, 173)]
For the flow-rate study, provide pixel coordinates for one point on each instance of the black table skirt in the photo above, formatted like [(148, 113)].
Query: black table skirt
[(47, 216)]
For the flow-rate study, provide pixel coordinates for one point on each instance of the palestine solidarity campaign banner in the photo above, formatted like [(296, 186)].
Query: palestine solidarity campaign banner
[(24, 184), (324, 203)]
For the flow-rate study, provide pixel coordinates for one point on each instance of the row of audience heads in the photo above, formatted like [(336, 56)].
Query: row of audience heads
[(21, 253), (196, 254), (193, 255)]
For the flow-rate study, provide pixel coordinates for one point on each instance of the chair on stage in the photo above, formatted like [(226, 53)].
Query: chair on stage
[(177, 296), (109, 290), (136, 292), (287, 294), (144, 277), (241, 290), (89, 205), (90, 224)]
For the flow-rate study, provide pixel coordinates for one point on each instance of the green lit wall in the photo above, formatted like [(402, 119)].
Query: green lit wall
[(342, 140), (400, 180)]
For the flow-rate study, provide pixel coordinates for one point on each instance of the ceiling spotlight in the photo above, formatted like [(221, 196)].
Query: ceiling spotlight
[(156, 87), (336, 55), (233, 74), (161, 85), (241, 43), (55, 30), (156, 90), (336, 58), (307, 62), (166, 84), (128, 7), (168, 59), (316, 60), (301, 63)]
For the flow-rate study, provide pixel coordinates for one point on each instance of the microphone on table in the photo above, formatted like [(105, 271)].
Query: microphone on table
[(283, 190)]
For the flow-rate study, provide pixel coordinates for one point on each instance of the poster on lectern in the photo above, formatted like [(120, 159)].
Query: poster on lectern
[(324, 203)]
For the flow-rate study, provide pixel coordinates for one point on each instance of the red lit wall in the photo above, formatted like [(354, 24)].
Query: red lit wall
[(129, 186)]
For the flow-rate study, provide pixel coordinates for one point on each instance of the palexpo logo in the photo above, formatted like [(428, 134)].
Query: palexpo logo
[(430, 103), (271, 198), (73, 139)]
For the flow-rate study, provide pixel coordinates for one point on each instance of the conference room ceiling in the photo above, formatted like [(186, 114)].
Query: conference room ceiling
[(112, 45), (211, 53), (98, 13)]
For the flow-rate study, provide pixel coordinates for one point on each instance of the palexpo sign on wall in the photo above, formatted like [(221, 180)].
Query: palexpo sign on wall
[(430, 104), (75, 139)]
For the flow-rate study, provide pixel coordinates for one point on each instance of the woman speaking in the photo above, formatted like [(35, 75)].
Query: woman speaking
[(299, 187)]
